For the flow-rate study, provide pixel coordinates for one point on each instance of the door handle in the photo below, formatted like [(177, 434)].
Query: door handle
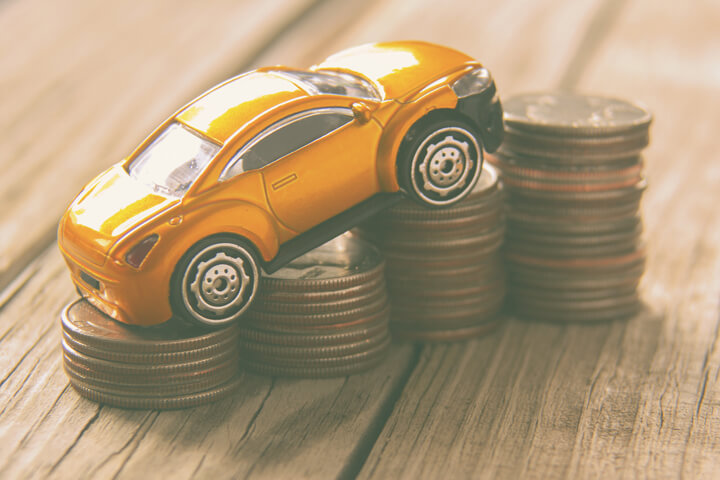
[(286, 180)]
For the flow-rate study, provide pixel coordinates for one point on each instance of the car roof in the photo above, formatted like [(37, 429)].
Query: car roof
[(228, 107), (398, 67)]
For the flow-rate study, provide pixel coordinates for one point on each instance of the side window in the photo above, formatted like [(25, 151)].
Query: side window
[(285, 137)]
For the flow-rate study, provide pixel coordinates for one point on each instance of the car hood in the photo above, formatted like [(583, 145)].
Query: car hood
[(398, 67), (108, 208)]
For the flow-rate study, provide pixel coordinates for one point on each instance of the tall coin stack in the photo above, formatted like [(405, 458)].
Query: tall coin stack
[(163, 367), (573, 173), (325, 314), (444, 268)]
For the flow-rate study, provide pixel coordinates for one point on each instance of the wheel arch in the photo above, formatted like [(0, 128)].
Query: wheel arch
[(253, 224), (422, 131), (438, 103)]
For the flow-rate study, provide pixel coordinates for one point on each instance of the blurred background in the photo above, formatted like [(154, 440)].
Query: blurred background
[(83, 82)]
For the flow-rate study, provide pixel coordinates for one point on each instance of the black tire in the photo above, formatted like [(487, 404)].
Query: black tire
[(215, 282), (439, 160)]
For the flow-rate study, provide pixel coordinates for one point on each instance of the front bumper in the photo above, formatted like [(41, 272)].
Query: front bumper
[(126, 295), (485, 110)]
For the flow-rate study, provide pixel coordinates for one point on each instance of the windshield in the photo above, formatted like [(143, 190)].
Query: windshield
[(172, 162), (331, 83)]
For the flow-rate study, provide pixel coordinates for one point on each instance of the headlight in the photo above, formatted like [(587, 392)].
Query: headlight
[(473, 82), (137, 254)]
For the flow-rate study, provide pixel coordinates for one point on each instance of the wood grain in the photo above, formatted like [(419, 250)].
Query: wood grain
[(629, 399), (661, 57), (270, 428), (81, 83)]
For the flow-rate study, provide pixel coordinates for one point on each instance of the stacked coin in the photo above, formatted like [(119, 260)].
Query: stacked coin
[(573, 173), (162, 367), (444, 268), (325, 314)]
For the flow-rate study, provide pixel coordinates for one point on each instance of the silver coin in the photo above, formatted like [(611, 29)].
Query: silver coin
[(627, 234), (321, 371), (534, 278), (317, 337), (574, 114), (575, 150), (573, 251), (628, 193), (266, 352), (154, 389), (363, 313), (86, 324), (331, 359), (312, 296), (146, 370), (338, 264), (325, 306), (159, 403), (159, 358)]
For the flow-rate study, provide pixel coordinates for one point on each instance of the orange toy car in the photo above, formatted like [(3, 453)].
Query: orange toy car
[(270, 164)]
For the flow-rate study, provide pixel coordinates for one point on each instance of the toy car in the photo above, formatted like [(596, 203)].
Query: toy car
[(266, 166)]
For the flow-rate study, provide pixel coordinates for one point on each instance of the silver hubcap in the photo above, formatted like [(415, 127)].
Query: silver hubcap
[(446, 166), (220, 287), (220, 283)]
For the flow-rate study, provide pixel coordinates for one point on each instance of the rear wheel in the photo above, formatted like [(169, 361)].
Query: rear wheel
[(215, 282), (439, 161)]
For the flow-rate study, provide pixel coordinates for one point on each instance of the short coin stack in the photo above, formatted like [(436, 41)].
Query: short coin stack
[(325, 314), (162, 367), (444, 268), (572, 170)]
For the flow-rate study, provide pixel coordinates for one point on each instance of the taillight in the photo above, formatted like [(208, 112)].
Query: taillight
[(137, 254)]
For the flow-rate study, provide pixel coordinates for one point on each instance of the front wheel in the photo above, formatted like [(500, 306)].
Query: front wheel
[(440, 161), (215, 281)]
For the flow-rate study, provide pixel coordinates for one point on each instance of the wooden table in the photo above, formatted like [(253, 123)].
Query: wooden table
[(82, 82)]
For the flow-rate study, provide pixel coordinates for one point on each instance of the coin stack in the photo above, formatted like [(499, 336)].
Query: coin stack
[(325, 314), (162, 367), (573, 172), (444, 268)]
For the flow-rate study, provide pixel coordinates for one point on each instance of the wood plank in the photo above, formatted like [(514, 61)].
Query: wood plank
[(667, 58), (312, 428), (631, 399), (92, 80), (269, 428)]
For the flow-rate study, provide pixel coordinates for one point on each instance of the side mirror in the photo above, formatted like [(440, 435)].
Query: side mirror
[(361, 112)]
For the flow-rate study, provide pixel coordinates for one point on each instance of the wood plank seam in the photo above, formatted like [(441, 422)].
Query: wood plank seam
[(87, 426), (359, 456), (124, 447), (253, 418), (607, 15), (51, 327), (282, 33), (145, 430)]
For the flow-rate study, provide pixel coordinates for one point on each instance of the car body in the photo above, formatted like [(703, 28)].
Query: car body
[(264, 167)]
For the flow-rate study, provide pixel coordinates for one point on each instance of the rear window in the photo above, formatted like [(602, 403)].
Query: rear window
[(331, 83)]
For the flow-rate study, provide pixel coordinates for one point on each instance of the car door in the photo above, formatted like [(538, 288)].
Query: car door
[(315, 164)]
